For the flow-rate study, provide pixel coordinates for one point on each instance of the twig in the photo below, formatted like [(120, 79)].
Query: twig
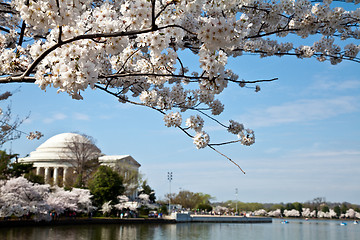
[(226, 157)]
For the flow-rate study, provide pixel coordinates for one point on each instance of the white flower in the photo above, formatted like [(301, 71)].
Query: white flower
[(195, 122), (216, 107), (173, 119), (34, 135), (247, 137), (235, 127), (106, 207), (201, 139)]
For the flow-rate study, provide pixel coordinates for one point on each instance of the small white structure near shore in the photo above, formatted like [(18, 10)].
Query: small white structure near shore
[(187, 217), (53, 159)]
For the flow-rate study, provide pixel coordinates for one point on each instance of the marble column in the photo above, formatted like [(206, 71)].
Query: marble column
[(55, 175), (47, 175), (64, 175), (38, 170)]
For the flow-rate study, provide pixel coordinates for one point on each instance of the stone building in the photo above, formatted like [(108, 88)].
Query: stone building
[(54, 159)]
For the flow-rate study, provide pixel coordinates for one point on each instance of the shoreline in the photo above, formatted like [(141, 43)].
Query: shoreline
[(165, 220), (199, 218), (84, 221)]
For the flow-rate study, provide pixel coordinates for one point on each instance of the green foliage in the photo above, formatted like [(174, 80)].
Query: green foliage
[(289, 206), (10, 169), (146, 189), (105, 185), (204, 206), (325, 208), (143, 210), (32, 177), (164, 209), (190, 200), (79, 181), (298, 206), (337, 210), (241, 206), (282, 209), (275, 207), (344, 208), (4, 164), (18, 169)]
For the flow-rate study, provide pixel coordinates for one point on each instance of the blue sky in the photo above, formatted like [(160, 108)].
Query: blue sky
[(306, 125)]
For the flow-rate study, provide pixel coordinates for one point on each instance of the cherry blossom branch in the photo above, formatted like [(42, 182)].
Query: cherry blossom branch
[(135, 74), (22, 33), (355, 59), (212, 118), (17, 79), (4, 29), (164, 8), (225, 143), (93, 36), (210, 146), (126, 60), (153, 18), (179, 127)]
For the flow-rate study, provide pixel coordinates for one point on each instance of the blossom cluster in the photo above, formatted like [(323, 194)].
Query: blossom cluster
[(173, 119), (34, 135), (20, 197), (201, 139), (132, 49), (307, 213)]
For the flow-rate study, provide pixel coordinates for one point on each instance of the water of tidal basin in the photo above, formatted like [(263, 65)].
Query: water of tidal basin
[(295, 230)]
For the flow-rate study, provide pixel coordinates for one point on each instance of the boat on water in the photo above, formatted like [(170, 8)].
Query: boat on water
[(356, 222), (343, 223), (284, 221)]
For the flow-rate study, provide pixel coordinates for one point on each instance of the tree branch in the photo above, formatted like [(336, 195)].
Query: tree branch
[(22, 33), (210, 146)]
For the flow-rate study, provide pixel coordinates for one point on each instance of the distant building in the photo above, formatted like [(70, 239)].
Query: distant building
[(54, 160)]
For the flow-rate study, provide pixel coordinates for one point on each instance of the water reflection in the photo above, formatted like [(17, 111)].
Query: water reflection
[(296, 229)]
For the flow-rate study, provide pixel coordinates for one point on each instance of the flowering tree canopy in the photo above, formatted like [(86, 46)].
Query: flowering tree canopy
[(20, 197), (131, 49), (77, 199)]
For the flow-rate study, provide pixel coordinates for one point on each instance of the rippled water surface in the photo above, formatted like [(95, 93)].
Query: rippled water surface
[(295, 229)]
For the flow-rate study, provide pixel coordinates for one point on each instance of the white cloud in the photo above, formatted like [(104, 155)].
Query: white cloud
[(302, 111), (106, 117), (55, 117), (273, 150), (324, 83), (81, 116), (330, 154)]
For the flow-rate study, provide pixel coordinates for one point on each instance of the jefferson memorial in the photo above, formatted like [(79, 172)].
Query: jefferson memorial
[(55, 159)]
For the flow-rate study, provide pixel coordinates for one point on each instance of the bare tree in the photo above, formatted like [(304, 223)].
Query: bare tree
[(9, 124), (81, 153), (131, 177)]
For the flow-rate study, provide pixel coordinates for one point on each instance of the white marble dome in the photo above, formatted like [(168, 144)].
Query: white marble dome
[(57, 158), (60, 140), (56, 148)]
